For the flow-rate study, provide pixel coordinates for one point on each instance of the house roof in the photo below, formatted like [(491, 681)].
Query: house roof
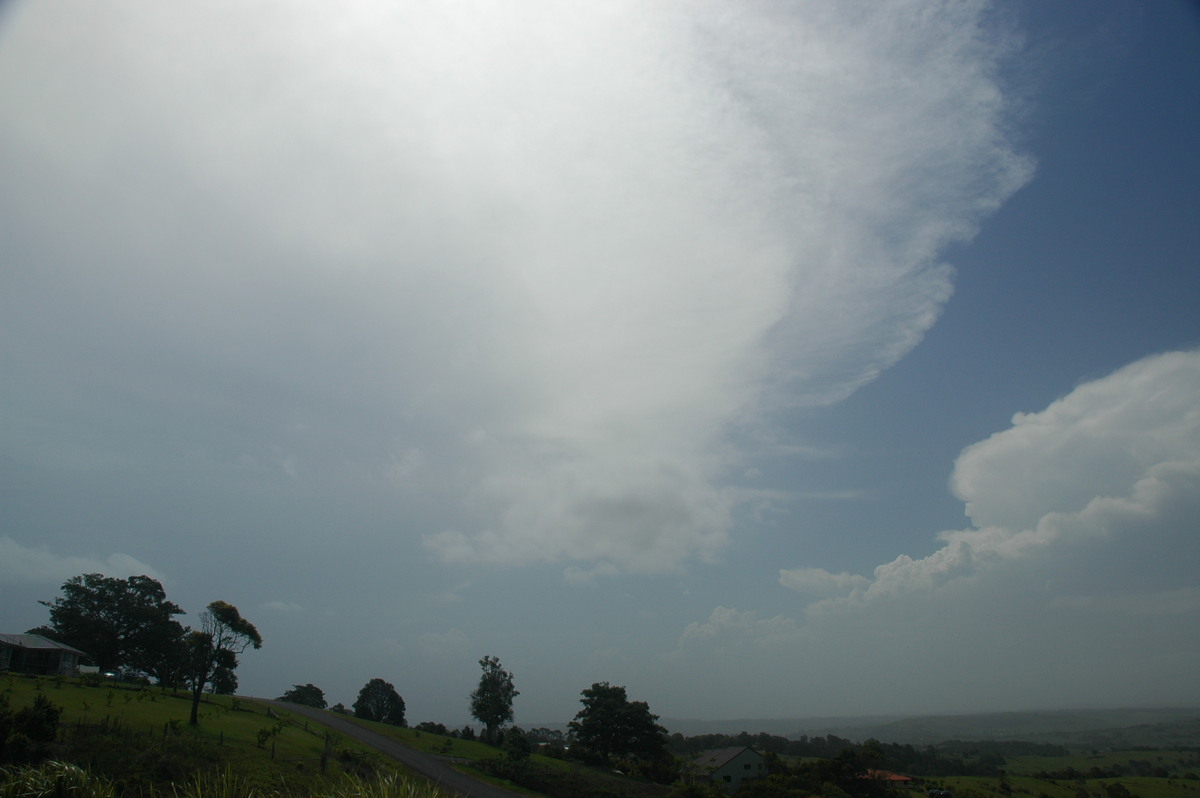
[(887, 775), (37, 642), (722, 756)]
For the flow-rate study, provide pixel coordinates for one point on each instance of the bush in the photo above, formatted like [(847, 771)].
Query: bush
[(26, 735)]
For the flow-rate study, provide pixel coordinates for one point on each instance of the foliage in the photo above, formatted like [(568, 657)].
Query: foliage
[(610, 725), (951, 758), (124, 623), (306, 694), (224, 680), (843, 776), (53, 779), (517, 745), (379, 701), (540, 734), (556, 779), (492, 700), (26, 735), (211, 653)]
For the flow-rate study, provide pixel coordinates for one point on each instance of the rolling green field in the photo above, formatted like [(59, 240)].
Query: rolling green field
[(1107, 774), (140, 737)]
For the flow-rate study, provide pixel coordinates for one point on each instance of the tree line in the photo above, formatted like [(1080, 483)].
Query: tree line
[(950, 758), (609, 730), (609, 726), (129, 625)]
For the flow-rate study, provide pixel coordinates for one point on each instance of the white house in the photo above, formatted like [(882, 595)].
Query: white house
[(38, 655)]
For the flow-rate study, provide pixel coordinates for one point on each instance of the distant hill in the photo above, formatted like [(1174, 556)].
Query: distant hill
[(1100, 728)]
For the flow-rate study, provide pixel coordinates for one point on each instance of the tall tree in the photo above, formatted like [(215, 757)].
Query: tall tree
[(211, 652), (611, 725), (492, 700), (119, 623), (378, 700)]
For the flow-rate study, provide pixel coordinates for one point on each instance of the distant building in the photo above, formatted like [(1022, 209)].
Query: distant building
[(898, 780), (38, 655), (728, 767)]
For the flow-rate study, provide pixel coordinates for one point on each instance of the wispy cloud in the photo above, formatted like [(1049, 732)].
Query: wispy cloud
[(558, 305)]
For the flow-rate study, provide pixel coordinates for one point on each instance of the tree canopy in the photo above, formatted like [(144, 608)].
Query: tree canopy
[(307, 694), (378, 700), (492, 700), (211, 652), (120, 623), (611, 725)]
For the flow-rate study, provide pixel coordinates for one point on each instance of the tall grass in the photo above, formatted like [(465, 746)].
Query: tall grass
[(59, 779), (52, 779)]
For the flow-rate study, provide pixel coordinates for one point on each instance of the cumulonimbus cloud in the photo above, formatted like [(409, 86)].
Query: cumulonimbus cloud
[(539, 270)]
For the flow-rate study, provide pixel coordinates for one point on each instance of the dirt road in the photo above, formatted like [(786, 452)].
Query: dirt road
[(431, 767)]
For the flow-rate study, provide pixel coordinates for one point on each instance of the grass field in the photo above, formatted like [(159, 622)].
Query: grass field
[(1143, 774), (140, 736), (139, 739)]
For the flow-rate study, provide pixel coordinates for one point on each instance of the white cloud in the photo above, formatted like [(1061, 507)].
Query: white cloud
[(1097, 441), (818, 581), (1113, 466), (394, 248), (726, 624), (38, 564), (1098, 578)]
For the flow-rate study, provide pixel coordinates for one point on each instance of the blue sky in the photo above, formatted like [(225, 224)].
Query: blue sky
[(772, 360)]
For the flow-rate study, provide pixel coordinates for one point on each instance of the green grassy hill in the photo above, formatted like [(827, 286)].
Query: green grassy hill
[(136, 741), (138, 738)]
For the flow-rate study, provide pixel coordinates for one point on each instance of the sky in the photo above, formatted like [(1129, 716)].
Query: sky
[(770, 359)]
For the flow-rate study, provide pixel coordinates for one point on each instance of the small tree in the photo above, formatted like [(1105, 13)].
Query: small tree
[(378, 700), (492, 700), (213, 650), (305, 694), (611, 725)]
